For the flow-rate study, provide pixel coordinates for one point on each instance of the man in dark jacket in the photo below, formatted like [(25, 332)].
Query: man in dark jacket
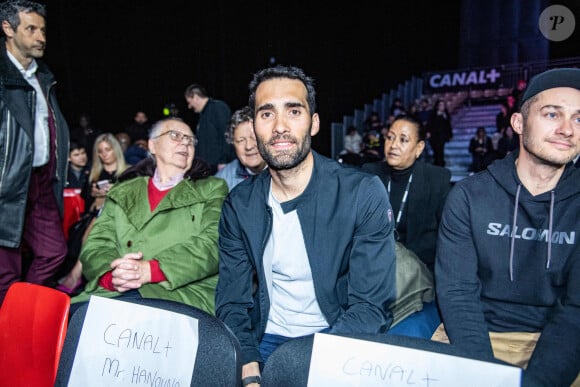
[(214, 118), (306, 246), (507, 267), (34, 141)]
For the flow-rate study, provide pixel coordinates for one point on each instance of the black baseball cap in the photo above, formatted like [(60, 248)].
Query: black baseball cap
[(560, 77)]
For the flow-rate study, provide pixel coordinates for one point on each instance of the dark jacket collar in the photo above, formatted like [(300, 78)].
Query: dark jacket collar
[(10, 75)]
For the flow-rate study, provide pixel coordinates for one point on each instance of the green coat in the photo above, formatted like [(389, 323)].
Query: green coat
[(181, 234)]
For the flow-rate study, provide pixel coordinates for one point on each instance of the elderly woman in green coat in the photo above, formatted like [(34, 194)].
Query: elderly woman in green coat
[(156, 236)]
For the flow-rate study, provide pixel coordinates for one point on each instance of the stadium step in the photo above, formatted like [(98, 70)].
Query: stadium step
[(465, 122)]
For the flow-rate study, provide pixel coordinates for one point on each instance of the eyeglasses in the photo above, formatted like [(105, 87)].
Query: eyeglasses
[(176, 136)]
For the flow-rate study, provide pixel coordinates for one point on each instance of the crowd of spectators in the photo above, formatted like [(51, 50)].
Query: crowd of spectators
[(242, 219)]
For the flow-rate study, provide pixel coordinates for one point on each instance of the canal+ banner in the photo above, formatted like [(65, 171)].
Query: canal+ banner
[(479, 78)]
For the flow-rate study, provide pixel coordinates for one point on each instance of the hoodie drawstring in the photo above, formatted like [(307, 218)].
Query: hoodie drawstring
[(514, 225), (513, 240), (549, 258)]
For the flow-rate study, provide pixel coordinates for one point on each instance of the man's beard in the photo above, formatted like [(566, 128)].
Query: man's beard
[(287, 159)]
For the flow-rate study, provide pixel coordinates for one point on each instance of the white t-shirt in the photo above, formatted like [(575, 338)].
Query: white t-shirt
[(294, 310)]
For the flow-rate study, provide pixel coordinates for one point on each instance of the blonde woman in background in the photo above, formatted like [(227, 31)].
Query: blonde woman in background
[(108, 164)]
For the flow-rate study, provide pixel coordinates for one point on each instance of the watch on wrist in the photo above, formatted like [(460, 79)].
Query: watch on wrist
[(251, 379)]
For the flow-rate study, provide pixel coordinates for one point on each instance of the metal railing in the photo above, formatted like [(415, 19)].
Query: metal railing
[(417, 87)]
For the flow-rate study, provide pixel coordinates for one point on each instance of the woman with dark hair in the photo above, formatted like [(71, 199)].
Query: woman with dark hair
[(156, 235), (417, 192)]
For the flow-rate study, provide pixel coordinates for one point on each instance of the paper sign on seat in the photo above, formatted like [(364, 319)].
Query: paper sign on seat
[(127, 344), (339, 361)]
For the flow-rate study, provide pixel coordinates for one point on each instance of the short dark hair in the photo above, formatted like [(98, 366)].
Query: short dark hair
[(196, 89), (74, 146), (420, 129), (351, 129), (9, 11), (280, 71)]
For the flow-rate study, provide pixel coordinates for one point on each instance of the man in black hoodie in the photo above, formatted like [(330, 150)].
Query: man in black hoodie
[(507, 269)]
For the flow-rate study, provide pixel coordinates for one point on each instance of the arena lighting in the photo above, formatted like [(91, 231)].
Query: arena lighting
[(170, 110)]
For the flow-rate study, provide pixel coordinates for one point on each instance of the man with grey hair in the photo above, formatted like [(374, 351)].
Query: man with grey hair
[(34, 137)]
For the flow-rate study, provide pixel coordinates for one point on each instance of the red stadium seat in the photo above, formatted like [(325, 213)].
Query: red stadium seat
[(33, 326)]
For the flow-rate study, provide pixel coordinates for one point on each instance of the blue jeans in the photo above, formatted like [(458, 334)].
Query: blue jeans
[(270, 342), (420, 324)]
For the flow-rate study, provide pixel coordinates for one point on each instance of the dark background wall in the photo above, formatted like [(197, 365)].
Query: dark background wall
[(501, 31), (114, 57)]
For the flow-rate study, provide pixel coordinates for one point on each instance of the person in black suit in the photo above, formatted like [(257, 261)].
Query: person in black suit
[(481, 149), (439, 131), (417, 192)]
